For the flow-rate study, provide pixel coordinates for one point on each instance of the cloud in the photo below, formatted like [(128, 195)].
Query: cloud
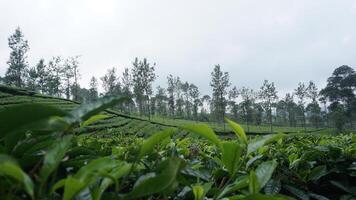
[(283, 41)]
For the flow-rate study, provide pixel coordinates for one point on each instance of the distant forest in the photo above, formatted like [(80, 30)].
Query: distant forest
[(307, 105)]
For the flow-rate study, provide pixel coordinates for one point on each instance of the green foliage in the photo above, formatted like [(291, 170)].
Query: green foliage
[(56, 161), (204, 131), (93, 119), (231, 155), (149, 143), (238, 130), (163, 179), (8, 168), (54, 156)]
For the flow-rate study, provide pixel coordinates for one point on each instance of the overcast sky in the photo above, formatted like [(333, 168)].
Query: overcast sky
[(283, 41)]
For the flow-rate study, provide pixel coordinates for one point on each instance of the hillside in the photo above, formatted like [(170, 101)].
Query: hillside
[(115, 122)]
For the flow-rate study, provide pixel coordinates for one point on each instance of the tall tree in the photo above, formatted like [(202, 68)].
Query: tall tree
[(302, 92), (54, 76), (143, 76), (68, 75), (219, 83), (179, 98), (161, 100), (313, 109), (111, 83), (248, 99), (340, 91), (170, 89), (268, 95), (281, 112), (42, 76), (126, 82), (32, 76), (187, 102), (233, 95), (194, 95), (73, 62), (291, 107), (16, 73), (93, 89), (205, 104)]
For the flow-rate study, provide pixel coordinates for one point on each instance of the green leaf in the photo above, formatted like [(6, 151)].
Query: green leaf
[(150, 142), (200, 191), (87, 175), (317, 172), (264, 172), (158, 181), (239, 131), (259, 142), (239, 183), (266, 197), (85, 111), (230, 155), (9, 168), (116, 173), (204, 131), (54, 156), (297, 192), (11, 120), (71, 187), (37, 118), (273, 187), (345, 187), (318, 196), (253, 185), (93, 119)]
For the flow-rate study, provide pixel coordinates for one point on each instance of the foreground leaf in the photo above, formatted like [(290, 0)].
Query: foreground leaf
[(266, 197), (11, 120), (200, 191), (157, 182), (231, 153), (85, 111), (115, 174), (264, 172), (54, 156), (239, 131), (253, 186), (150, 142), (10, 169), (204, 131), (254, 145), (93, 119)]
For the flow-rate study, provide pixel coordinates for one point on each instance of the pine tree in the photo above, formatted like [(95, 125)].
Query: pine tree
[(93, 89), (54, 76), (268, 94), (42, 76), (143, 76), (32, 76), (170, 89), (194, 95), (16, 73), (111, 82), (219, 83), (302, 92), (248, 99)]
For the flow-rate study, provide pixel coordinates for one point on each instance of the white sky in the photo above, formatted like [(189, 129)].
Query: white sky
[(284, 41)]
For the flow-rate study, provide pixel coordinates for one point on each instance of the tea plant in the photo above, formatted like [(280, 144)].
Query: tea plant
[(45, 155)]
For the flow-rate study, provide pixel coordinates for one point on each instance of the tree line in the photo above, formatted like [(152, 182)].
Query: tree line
[(333, 106)]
